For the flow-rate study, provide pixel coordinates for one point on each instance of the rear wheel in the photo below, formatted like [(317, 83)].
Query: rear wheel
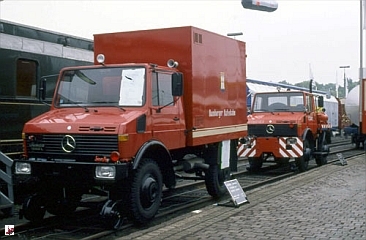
[(146, 191), (357, 144), (321, 160), (214, 180)]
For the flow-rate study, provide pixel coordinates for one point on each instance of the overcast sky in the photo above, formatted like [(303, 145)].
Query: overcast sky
[(320, 35)]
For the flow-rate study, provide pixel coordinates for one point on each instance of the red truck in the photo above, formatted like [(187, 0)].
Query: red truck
[(286, 127), (128, 125)]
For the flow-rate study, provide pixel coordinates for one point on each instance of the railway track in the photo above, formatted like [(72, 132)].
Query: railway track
[(86, 224)]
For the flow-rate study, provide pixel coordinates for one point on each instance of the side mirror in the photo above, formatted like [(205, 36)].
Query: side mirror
[(320, 101), (42, 89), (177, 84)]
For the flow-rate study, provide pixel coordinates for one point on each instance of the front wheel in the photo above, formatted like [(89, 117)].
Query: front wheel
[(214, 180), (255, 163), (303, 161), (323, 141), (146, 191)]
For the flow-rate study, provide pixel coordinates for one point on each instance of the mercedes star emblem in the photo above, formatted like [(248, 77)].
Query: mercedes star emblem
[(270, 129), (68, 143)]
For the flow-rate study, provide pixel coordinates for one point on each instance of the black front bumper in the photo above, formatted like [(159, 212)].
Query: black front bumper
[(74, 173)]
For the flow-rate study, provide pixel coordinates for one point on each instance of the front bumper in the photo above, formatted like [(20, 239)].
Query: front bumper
[(65, 173), (279, 147)]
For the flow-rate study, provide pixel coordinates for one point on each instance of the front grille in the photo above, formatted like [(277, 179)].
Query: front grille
[(86, 145), (104, 129), (280, 130)]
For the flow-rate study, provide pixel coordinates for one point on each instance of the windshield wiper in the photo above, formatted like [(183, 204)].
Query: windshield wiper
[(83, 77), (69, 101), (113, 105)]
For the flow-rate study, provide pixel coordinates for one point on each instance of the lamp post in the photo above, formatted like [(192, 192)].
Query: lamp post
[(345, 80)]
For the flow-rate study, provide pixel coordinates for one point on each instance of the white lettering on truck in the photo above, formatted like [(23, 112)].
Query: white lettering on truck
[(220, 113)]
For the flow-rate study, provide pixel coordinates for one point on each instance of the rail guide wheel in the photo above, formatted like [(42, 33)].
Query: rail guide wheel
[(33, 208), (112, 215)]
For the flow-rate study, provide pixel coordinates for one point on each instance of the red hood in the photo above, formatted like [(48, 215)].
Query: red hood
[(77, 120)]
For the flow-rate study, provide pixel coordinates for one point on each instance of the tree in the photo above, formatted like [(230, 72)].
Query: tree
[(329, 87)]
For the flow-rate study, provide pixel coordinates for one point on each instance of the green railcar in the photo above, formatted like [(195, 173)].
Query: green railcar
[(29, 56)]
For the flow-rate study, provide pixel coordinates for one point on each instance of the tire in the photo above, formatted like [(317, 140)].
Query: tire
[(254, 164), (146, 192), (111, 214), (321, 159), (214, 180), (322, 147), (33, 208), (302, 163), (357, 144)]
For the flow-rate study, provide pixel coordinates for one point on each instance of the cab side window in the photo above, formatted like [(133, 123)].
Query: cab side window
[(309, 105), (162, 89)]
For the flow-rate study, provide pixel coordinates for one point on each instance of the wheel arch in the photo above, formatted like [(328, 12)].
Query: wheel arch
[(307, 134), (157, 151)]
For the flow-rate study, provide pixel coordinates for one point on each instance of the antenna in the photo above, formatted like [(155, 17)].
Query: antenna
[(311, 77)]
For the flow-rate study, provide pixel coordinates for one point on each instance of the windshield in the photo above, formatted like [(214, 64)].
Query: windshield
[(279, 102), (102, 87)]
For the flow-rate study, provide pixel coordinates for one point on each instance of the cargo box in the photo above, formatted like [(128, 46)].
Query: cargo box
[(214, 74)]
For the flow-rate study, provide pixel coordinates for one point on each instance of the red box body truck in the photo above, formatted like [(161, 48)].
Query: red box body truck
[(125, 126)]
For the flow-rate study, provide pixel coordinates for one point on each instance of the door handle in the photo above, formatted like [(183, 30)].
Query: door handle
[(176, 118)]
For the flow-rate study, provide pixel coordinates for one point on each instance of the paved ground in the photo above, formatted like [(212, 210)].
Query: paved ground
[(326, 203)]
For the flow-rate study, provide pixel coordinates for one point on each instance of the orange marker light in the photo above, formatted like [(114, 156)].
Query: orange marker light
[(115, 156)]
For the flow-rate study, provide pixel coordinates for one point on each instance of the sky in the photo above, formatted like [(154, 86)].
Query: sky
[(300, 40)]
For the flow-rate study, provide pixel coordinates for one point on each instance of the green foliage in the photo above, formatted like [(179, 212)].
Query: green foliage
[(326, 87)]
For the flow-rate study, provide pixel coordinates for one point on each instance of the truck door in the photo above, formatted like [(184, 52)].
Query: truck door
[(311, 113), (168, 119)]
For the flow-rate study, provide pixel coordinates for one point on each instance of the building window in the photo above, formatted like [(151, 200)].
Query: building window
[(26, 78)]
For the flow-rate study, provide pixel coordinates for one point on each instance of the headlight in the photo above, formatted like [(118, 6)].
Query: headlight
[(246, 140), (106, 172), (100, 58), (291, 141), (22, 168)]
